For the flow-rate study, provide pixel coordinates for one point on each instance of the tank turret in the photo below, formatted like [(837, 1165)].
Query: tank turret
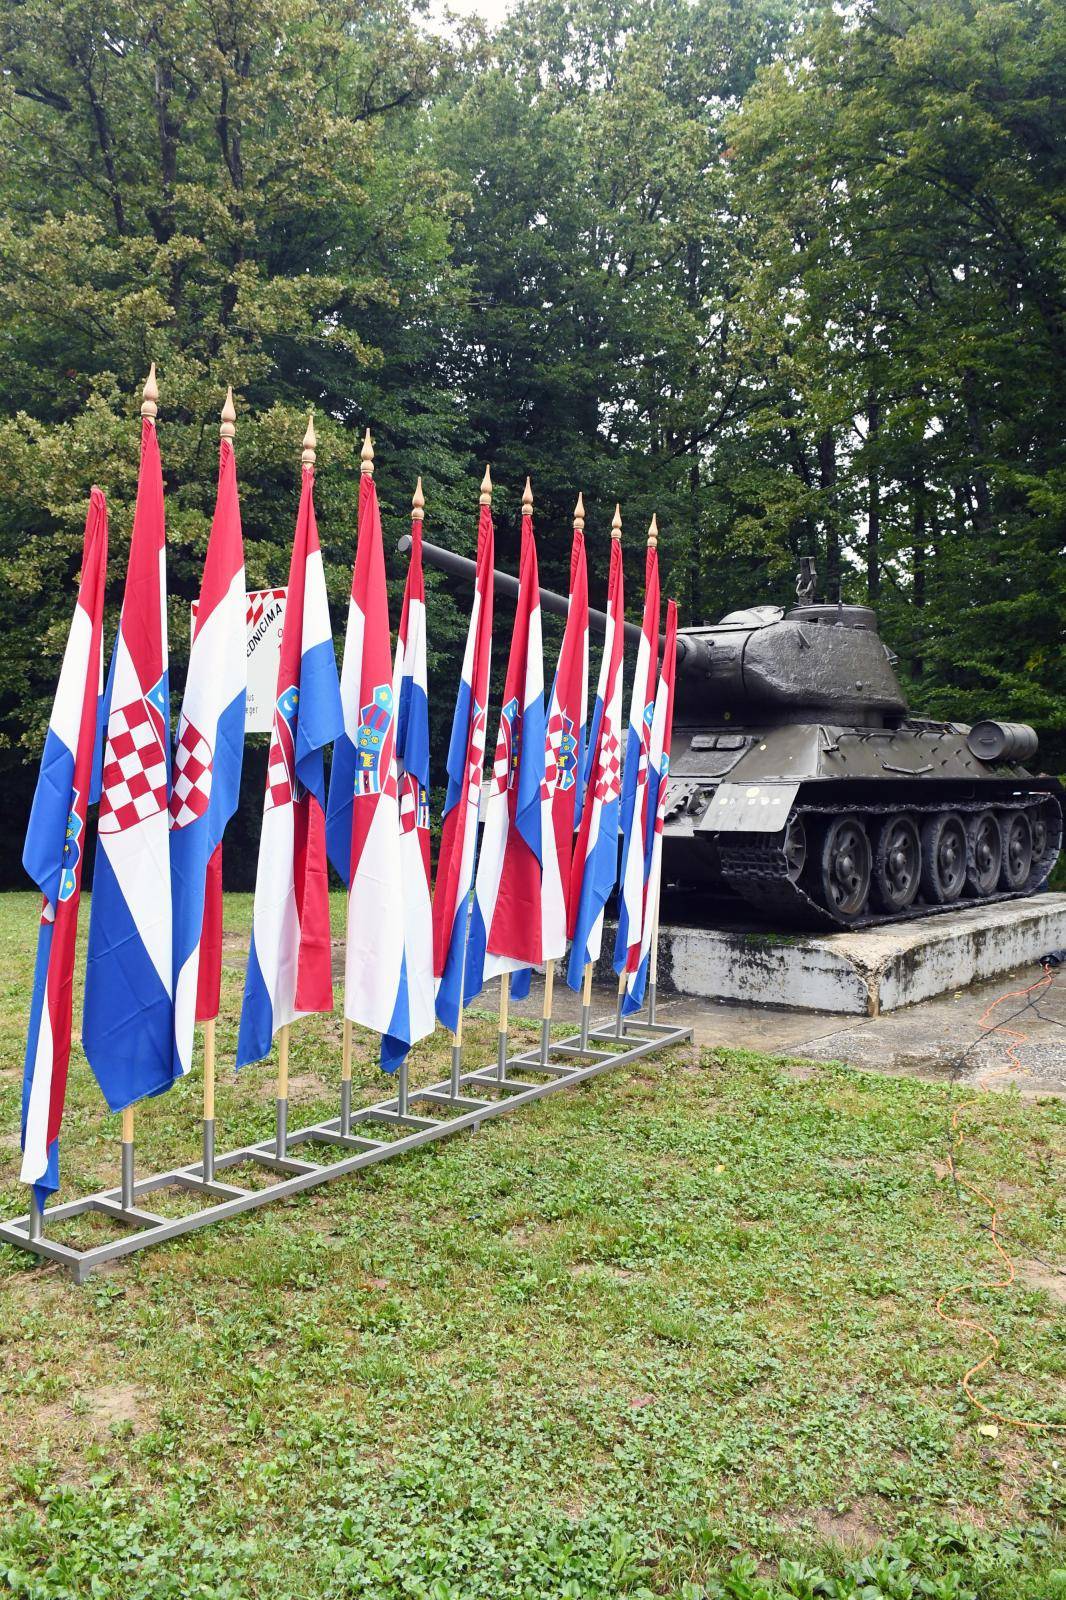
[(800, 785)]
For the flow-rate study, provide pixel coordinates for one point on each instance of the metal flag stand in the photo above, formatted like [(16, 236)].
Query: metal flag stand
[(565, 1064)]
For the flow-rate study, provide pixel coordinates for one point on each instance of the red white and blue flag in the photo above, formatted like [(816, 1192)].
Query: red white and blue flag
[(363, 793), (207, 766), (505, 921), (289, 964), (564, 758), (595, 865), (128, 1022), (637, 813), (466, 756), (658, 771), (411, 689), (54, 854)]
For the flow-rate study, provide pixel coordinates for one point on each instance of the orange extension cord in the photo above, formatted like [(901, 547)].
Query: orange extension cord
[(1013, 1038)]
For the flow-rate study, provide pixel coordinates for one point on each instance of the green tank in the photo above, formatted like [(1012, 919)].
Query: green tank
[(800, 785)]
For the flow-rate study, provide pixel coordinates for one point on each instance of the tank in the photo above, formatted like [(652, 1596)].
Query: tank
[(800, 785)]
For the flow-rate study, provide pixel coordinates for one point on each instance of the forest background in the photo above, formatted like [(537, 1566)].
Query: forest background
[(791, 275)]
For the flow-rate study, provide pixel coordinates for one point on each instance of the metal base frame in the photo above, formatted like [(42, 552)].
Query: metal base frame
[(569, 1062)]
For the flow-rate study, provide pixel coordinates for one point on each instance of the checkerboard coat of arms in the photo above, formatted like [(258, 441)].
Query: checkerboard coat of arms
[(375, 720)]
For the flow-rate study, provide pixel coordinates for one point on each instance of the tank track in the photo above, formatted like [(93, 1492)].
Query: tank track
[(756, 869)]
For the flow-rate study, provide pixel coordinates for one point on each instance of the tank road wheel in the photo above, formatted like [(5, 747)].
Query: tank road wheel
[(943, 858), (846, 858), (897, 864), (984, 853), (1017, 832)]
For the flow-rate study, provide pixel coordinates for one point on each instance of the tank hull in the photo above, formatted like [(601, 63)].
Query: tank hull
[(818, 825)]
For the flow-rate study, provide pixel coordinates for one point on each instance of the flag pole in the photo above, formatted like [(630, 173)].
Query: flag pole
[(653, 958), (127, 1160), (457, 1056), (149, 409), (546, 1010), (227, 430), (586, 1006), (346, 1079), (281, 1142), (622, 976), (501, 1037), (209, 1100)]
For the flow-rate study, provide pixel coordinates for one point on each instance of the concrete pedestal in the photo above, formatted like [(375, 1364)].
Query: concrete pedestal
[(862, 973)]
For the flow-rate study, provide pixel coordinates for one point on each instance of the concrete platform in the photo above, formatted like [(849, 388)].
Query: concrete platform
[(863, 973), (925, 1040)]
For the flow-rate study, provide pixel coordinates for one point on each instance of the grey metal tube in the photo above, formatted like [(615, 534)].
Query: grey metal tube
[(559, 604), (209, 1149), (36, 1225), (402, 1094), (126, 1174)]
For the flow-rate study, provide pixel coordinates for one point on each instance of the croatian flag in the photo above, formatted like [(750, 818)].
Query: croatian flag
[(363, 790), (289, 968), (207, 766), (637, 810), (410, 687), (564, 756), (128, 1021), (596, 853), (466, 756), (658, 770), (53, 856), (505, 922)]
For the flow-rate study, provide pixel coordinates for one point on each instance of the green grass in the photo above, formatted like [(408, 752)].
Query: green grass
[(669, 1334)]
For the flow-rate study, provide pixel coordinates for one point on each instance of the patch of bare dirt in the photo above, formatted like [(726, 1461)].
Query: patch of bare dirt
[(853, 1528), (116, 1403), (799, 1072), (1038, 1275)]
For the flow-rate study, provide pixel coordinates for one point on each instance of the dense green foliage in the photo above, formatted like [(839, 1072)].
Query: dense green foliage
[(672, 1334), (791, 277)]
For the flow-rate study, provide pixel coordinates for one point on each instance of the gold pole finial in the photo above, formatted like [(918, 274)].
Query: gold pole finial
[(579, 514), (228, 427), (486, 488), (310, 449), (150, 395), (418, 503), (616, 523), (653, 532), (366, 454), (527, 499)]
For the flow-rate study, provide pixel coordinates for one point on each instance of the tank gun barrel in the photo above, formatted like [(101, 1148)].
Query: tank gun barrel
[(558, 604)]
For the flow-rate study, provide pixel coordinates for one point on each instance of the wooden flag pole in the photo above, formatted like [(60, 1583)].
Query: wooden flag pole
[(227, 429), (149, 409), (281, 1143), (546, 1011), (127, 1160), (209, 1100), (618, 1005), (586, 1006)]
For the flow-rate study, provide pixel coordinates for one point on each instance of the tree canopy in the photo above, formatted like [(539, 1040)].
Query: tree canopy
[(794, 277)]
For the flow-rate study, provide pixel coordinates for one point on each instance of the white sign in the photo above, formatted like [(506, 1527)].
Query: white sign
[(265, 614)]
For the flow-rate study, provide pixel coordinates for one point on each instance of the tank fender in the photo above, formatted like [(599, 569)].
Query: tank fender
[(748, 808)]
